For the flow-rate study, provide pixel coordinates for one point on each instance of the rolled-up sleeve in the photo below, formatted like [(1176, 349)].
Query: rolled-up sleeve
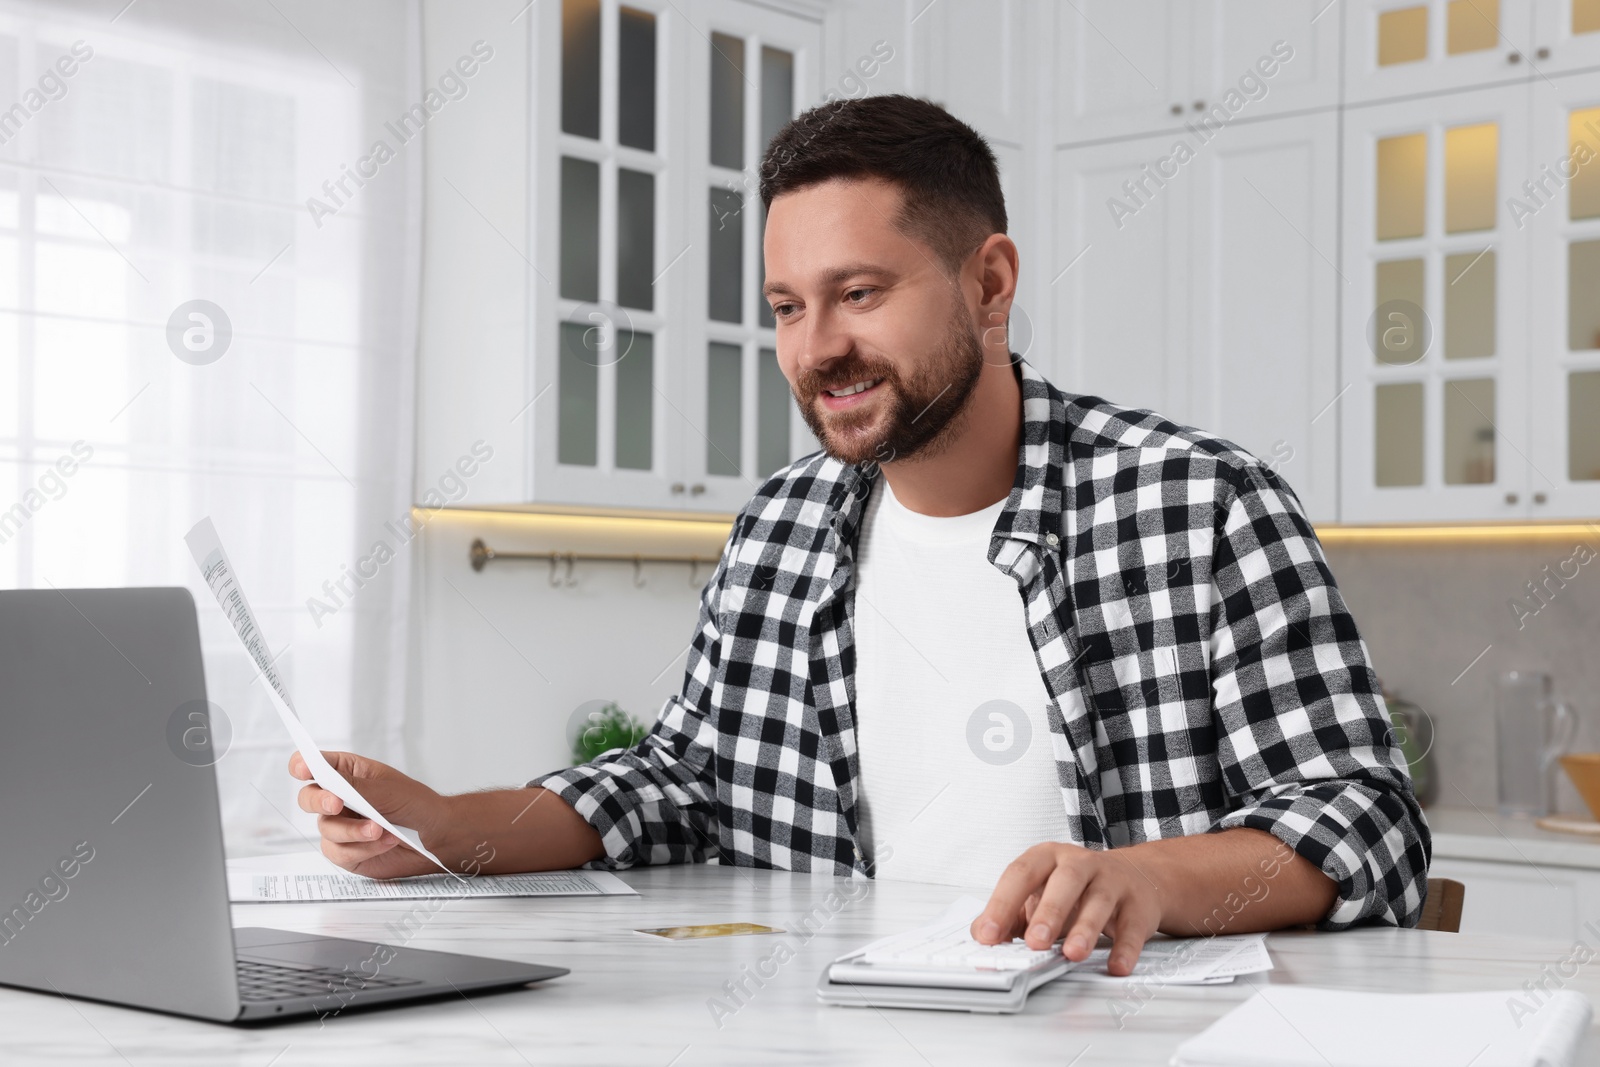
[(655, 803), (1308, 753)]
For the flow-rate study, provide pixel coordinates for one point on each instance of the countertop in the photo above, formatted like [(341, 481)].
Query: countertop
[(631, 1000), (1484, 834)]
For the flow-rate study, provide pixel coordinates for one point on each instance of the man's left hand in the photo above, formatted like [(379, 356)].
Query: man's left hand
[(1054, 889)]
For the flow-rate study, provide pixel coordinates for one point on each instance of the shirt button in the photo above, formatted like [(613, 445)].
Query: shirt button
[(858, 852), (1052, 540)]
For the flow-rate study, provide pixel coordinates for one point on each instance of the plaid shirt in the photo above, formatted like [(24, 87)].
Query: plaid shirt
[(1203, 670)]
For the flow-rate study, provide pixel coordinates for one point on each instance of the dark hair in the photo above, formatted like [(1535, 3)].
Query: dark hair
[(945, 170)]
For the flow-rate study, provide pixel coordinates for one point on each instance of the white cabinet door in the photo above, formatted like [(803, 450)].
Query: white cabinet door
[(1521, 900), (1272, 56), (1566, 35), (1264, 293), (751, 69), (1561, 216), (970, 58), (1123, 67), (604, 335), (1435, 330), (1396, 48), (1119, 274)]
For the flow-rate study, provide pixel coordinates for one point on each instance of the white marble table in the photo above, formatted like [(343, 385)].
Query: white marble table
[(632, 1000)]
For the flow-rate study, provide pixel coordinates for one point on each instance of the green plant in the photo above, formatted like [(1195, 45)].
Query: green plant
[(604, 730)]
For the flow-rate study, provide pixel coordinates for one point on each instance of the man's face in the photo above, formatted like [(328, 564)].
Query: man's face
[(876, 339)]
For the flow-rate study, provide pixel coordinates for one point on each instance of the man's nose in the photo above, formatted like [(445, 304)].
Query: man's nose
[(824, 340)]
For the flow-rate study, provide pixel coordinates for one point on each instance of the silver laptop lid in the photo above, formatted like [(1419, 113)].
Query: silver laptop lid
[(113, 884)]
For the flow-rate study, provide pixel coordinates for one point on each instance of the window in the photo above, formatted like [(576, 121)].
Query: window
[(171, 167)]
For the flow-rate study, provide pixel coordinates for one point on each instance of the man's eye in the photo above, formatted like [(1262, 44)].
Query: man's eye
[(782, 310), (856, 296)]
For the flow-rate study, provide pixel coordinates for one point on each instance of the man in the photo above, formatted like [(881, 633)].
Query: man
[(989, 622)]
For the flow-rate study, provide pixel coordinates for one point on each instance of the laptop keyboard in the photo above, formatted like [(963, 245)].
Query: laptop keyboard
[(259, 981)]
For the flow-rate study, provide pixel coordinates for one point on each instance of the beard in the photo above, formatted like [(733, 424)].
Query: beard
[(919, 413)]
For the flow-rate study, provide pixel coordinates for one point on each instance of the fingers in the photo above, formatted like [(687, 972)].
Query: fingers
[(352, 856), (1130, 929), (1094, 911), (349, 829), (1063, 892), (1021, 880), (318, 801)]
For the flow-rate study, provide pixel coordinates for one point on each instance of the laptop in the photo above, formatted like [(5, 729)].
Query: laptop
[(113, 884)]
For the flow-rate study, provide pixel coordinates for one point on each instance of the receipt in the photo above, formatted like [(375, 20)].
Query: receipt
[(218, 572)]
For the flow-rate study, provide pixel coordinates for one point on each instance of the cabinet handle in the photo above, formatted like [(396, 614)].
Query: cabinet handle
[(1539, 498), (696, 489), (1512, 498), (1513, 58), (677, 487), (1199, 105), (1177, 109), (1543, 53)]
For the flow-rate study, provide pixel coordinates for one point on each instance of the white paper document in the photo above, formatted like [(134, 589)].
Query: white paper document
[(1301, 1026), (218, 572), (1183, 961), (308, 876)]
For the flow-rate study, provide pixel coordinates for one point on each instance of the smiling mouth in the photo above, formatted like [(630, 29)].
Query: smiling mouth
[(852, 390)]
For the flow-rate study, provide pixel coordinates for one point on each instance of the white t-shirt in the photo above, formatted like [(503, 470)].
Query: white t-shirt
[(958, 774)]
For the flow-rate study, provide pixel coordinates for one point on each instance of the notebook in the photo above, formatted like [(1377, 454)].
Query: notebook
[(1301, 1026)]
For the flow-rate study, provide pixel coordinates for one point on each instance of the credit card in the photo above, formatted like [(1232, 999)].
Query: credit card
[(686, 933)]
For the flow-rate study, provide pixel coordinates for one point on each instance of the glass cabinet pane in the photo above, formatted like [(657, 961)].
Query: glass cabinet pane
[(1583, 149), (727, 101), (1583, 295), (636, 238), (1583, 426), (1397, 437), (1469, 312), (1471, 172), (580, 229), (1585, 16), (580, 68), (772, 415), (777, 92), (1469, 432), (636, 79), (1472, 26), (635, 399), (1401, 334), (724, 399), (1403, 35), (725, 247), (1402, 186), (577, 396)]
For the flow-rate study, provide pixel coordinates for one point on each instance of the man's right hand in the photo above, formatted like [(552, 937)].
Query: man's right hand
[(497, 831), (355, 842)]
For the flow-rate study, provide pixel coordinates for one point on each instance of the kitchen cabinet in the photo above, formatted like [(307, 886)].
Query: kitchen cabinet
[(1397, 48), (1469, 339), (1523, 900), (648, 327), (1130, 67), (1205, 287)]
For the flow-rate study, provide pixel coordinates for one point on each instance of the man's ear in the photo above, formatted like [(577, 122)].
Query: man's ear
[(995, 265)]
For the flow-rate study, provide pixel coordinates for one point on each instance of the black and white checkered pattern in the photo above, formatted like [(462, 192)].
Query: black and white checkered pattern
[(1203, 668)]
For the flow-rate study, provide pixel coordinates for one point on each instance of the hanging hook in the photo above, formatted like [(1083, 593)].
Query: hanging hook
[(572, 562), (553, 583), (694, 572), (638, 573)]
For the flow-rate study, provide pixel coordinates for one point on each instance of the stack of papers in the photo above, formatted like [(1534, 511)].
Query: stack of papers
[(1300, 1026), (1183, 961)]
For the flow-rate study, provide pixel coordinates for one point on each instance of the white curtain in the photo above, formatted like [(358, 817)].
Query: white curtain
[(165, 152)]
